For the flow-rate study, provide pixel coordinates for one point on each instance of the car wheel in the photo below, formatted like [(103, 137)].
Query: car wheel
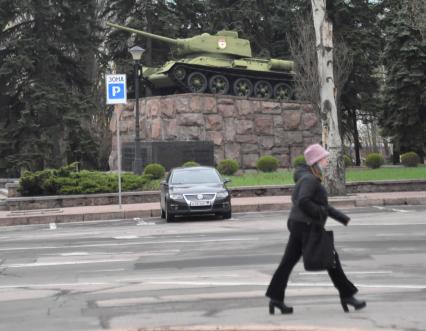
[(169, 217), (227, 215), (163, 214)]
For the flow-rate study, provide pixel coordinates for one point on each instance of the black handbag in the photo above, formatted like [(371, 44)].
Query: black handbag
[(318, 249)]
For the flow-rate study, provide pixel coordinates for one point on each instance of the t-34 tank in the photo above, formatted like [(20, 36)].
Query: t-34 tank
[(219, 64)]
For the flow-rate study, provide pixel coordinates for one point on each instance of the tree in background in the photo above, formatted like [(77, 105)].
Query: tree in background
[(249, 18), (46, 90), (53, 58), (404, 114), (335, 172), (303, 51), (355, 22), (177, 19), (416, 14), (266, 23)]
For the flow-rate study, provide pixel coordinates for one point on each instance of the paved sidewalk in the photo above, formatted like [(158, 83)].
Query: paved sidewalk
[(250, 204)]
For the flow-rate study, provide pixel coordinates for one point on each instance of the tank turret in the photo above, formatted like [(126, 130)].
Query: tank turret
[(221, 63), (223, 42)]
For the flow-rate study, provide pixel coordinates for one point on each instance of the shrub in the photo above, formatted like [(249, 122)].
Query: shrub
[(190, 164), (374, 160), (348, 161), (50, 186), (67, 185), (227, 167), (66, 181), (132, 182), (298, 161), (410, 159), (156, 170), (267, 163), (31, 183), (65, 171)]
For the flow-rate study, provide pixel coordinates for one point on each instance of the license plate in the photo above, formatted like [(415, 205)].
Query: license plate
[(199, 203)]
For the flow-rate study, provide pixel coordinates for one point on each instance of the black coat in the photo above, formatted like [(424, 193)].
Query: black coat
[(310, 200)]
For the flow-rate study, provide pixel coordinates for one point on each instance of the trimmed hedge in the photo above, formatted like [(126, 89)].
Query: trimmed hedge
[(298, 161), (228, 167), (155, 170), (267, 163), (374, 160), (347, 160), (66, 180), (410, 159), (190, 164)]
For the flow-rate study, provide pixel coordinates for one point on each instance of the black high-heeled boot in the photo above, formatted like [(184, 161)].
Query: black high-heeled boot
[(281, 306), (352, 301)]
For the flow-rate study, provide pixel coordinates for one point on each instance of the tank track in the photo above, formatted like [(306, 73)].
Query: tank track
[(232, 75)]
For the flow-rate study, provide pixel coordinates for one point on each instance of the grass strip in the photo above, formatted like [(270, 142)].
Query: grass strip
[(285, 177)]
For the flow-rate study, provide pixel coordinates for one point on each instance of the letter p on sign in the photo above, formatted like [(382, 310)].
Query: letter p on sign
[(116, 89)]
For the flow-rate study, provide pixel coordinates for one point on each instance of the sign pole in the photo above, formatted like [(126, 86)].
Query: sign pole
[(119, 158), (116, 93)]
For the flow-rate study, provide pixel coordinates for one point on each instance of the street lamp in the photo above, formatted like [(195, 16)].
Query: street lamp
[(137, 52)]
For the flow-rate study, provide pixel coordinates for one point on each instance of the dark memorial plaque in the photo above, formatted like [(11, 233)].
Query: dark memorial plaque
[(169, 154)]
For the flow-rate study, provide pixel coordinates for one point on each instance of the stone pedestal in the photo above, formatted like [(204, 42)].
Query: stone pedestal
[(241, 129)]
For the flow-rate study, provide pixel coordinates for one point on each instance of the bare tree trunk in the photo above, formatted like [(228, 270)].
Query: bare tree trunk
[(396, 152), (374, 136), (386, 148), (303, 50), (356, 138), (335, 173), (369, 140)]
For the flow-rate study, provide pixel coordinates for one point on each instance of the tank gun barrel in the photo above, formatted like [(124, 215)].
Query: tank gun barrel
[(145, 34)]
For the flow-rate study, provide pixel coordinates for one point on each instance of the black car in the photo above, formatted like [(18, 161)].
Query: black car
[(194, 191)]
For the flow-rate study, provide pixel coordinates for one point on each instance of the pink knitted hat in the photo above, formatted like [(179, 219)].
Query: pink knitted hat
[(314, 153)]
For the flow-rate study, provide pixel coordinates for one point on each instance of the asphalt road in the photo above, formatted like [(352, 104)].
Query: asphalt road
[(147, 273)]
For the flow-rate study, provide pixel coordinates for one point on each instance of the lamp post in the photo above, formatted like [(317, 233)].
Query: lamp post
[(137, 52)]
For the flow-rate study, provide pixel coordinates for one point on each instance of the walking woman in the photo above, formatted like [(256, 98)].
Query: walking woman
[(310, 208)]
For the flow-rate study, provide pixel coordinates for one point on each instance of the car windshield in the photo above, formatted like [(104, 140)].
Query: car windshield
[(195, 176)]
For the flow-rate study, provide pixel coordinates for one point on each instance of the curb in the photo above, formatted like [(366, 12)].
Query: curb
[(248, 328), (45, 216)]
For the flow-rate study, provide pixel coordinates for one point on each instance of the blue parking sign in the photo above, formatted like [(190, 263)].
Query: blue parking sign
[(116, 89)]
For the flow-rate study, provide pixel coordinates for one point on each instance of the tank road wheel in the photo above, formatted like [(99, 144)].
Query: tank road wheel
[(263, 89), (197, 82), (283, 91), (179, 73), (243, 87), (219, 84)]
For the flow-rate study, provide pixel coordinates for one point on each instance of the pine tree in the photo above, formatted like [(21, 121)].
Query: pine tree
[(48, 90), (404, 116), (249, 18), (355, 23), (157, 17)]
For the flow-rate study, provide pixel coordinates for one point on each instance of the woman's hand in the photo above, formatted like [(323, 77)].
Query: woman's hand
[(338, 215), (347, 222)]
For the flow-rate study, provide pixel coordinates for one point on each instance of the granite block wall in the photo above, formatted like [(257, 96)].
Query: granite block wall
[(241, 129)]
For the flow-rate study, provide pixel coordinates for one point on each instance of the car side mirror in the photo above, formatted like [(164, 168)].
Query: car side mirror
[(164, 183), (226, 180)]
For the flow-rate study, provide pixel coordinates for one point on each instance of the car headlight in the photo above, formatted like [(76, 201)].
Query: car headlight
[(176, 196), (222, 194)]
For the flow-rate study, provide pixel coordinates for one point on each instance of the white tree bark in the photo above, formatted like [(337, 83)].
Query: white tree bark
[(335, 173)]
